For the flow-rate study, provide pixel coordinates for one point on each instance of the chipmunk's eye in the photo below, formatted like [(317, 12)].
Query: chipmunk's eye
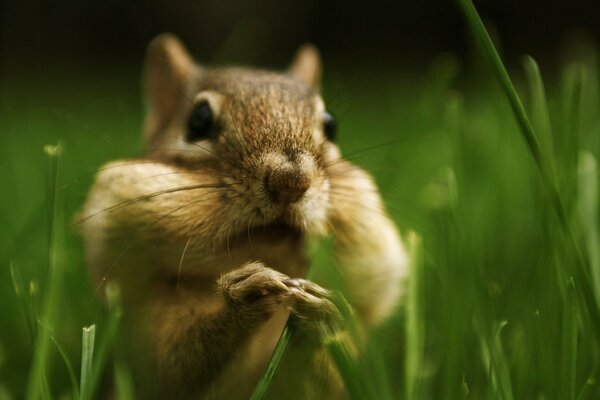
[(329, 126), (200, 124)]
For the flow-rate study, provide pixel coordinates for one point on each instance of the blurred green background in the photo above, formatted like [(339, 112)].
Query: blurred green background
[(492, 309)]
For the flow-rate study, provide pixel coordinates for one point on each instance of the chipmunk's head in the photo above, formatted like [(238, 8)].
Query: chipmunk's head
[(266, 135)]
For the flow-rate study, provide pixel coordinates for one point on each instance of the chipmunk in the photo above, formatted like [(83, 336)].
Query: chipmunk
[(205, 234)]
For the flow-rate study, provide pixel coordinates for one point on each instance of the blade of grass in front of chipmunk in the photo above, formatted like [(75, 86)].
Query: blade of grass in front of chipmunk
[(87, 359), (341, 356), (264, 385), (37, 384), (266, 381), (579, 272)]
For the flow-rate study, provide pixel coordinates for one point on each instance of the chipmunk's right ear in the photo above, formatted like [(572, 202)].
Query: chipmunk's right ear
[(306, 66), (167, 67)]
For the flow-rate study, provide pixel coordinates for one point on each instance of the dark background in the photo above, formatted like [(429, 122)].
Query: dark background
[(36, 35)]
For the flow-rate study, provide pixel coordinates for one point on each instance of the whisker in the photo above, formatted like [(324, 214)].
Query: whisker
[(351, 188), (146, 197), (385, 208), (93, 173), (188, 99), (373, 147), (181, 262), (191, 171)]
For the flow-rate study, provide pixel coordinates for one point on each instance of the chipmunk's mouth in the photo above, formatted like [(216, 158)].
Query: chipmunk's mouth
[(278, 229), (305, 216), (299, 217)]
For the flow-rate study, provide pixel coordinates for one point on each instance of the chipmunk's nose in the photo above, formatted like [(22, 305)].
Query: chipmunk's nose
[(286, 185)]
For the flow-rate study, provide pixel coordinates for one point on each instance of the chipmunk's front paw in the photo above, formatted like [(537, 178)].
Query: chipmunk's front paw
[(313, 309), (254, 290)]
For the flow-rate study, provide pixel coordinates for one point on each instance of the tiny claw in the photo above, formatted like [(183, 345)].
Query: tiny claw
[(293, 283)]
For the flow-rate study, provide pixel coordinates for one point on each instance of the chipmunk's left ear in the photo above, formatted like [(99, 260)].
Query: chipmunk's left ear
[(167, 68), (306, 66)]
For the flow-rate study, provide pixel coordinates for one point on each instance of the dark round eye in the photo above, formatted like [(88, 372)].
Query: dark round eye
[(329, 126), (200, 124)]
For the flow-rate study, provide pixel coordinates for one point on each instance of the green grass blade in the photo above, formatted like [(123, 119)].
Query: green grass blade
[(87, 359), (349, 368), (502, 369), (568, 138), (262, 389), (107, 340), (591, 387), (569, 342), (415, 326), (588, 214), (539, 112), (343, 354), (70, 370), (124, 387), (266, 381), (483, 38), (24, 300), (495, 360), (123, 382), (37, 386)]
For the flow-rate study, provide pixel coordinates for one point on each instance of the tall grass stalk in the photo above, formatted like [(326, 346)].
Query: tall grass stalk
[(415, 325), (494, 359), (569, 342), (25, 300), (87, 358), (579, 272), (588, 214), (37, 385)]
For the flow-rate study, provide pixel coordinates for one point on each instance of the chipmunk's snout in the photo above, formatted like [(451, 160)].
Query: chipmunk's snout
[(286, 181), (286, 186)]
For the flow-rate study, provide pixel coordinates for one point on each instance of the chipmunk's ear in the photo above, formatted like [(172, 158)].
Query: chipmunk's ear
[(167, 67), (306, 65)]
